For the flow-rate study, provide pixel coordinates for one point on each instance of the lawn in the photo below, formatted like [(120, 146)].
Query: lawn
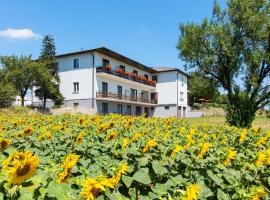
[(260, 121)]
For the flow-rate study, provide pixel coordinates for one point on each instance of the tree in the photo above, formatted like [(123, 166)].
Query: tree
[(21, 72), (233, 47), (7, 92), (47, 86), (201, 86)]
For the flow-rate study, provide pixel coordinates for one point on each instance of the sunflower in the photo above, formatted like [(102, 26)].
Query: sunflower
[(4, 143), (125, 143), (122, 170), (204, 149), (231, 155), (257, 193), (192, 192), (28, 131), (260, 160), (112, 135), (176, 149), (20, 166), (150, 144), (80, 137), (81, 121), (92, 187), (67, 164)]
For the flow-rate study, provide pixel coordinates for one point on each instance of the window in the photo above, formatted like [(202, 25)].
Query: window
[(75, 105), (133, 95), (76, 87), (138, 110), (104, 89), (181, 96), (135, 72), (182, 80), (119, 91), (128, 109), (146, 76), (154, 78), (104, 108), (76, 63), (167, 107), (120, 108), (105, 62)]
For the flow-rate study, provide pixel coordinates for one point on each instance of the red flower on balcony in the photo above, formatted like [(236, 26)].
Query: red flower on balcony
[(109, 67), (154, 82), (149, 81), (140, 78), (119, 71), (145, 79), (127, 73)]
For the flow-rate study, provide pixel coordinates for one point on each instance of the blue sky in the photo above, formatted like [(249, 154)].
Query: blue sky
[(144, 30)]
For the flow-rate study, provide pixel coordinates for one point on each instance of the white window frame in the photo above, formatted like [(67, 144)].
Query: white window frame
[(76, 90)]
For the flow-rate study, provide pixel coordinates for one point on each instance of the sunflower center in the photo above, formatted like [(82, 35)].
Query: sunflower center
[(24, 170), (3, 144)]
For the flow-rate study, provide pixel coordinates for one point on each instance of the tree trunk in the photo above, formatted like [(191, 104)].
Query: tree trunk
[(22, 101), (44, 103)]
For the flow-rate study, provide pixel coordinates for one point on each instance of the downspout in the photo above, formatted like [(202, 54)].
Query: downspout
[(177, 115), (93, 81)]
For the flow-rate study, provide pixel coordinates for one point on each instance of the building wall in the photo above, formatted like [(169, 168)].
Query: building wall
[(160, 111)]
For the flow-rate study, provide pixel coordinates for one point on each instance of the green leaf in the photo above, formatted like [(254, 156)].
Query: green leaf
[(127, 180), (222, 196), (215, 178), (158, 168), (142, 176), (60, 191)]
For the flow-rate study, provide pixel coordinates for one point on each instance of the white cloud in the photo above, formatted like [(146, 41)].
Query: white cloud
[(19, 34)]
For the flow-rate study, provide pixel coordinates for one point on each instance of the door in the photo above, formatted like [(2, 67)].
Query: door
[(138, 110), (120, 108), (104, 89), (133, 96), (146, 111), (119, 91)]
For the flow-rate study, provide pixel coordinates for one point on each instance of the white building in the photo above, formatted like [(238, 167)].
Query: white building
[(108, 82)]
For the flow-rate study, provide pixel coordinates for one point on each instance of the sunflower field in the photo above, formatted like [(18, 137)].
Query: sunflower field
[(122, 157)]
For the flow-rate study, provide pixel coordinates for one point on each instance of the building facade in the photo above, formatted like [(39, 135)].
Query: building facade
[(109, 82)]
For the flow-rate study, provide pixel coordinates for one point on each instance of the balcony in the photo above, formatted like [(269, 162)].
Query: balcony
[(127, 75), (109, 96)]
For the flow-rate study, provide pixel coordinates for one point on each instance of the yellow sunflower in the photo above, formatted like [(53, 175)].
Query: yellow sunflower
[(67, 164), (150, 144), (20, 166), (192, 192), (203, 150), (4, 143), (92, 187), (28, 131), (80, 137)]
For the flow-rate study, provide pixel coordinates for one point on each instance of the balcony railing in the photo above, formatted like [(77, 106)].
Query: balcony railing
[(133, 98), (127, 75)]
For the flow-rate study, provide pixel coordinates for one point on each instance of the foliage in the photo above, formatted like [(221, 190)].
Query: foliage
[(122, 157), (233, 47), (20, 72), (201, 86), (47, 86), (7, 92)]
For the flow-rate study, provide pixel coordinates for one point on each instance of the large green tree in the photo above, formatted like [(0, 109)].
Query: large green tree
[(233, 47), (201, 86), (47, 85), (21, 72), (7, 92)]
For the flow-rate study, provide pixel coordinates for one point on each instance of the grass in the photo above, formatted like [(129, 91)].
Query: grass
[(259, 122)]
